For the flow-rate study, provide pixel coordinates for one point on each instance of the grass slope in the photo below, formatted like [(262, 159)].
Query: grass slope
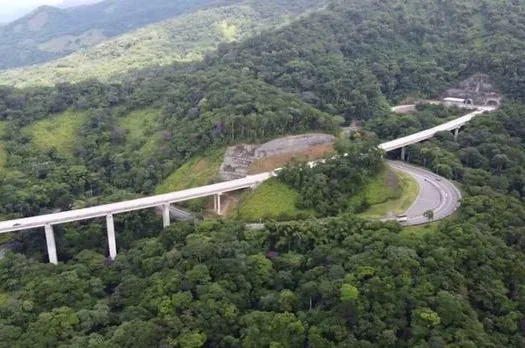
[(140, 129), (417, 232), (181, 39), (58, 131), (390, 192), (198, 171), (272, 199)]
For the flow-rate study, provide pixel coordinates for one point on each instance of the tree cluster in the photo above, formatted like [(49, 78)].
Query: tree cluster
[(337, 282), (329, 186)]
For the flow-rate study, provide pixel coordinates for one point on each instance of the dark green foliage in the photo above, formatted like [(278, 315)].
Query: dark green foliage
[(331, 282), (351, 57), (488, 156), (328, 186), (393, 126), (199, 110)]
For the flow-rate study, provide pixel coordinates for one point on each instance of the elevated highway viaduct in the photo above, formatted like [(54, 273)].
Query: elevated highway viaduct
[(216, 190)]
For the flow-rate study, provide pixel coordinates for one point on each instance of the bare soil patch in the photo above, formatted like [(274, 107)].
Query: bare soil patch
[(267, 164)]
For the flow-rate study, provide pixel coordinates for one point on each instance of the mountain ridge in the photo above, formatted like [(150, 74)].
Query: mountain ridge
[(21, 40), (185, 38)]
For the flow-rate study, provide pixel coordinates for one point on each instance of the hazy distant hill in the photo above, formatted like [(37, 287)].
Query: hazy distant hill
[(49, 32), (73, 3), (180, 39)]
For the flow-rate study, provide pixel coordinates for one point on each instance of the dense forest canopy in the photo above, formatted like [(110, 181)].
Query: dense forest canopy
[(330, 282), (330, 187)]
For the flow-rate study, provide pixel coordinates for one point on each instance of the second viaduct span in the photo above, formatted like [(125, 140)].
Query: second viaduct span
[(165, 200)]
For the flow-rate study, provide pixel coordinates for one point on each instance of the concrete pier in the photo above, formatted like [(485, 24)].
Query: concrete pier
[(51, 246), (166, 215), (112, 242)]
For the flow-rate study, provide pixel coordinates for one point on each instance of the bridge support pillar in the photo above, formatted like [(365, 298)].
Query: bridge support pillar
[(217, 204), (51, 246), (166, 215), (403, 153), (112, 242), (456, 133)]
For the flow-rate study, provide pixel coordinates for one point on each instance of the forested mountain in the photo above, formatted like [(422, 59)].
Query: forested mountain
[(184, 38), (50, 32), (349, 60), (331, 282), (349, 57)]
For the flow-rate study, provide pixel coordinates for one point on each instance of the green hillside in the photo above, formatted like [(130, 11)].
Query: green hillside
[(186, 38), (391, 192), (141, 130), (51, 32), (59, 132), (3, 154), (272, 200), (386, 192), (198, 171)]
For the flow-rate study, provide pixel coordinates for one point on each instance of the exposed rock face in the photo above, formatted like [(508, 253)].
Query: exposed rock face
[(478, 88), (236, 162), (238, 158)]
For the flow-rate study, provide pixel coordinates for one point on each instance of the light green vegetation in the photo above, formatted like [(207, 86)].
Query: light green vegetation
[(72, 42), (229, 32), (273, 199), (58, 131), (3, 153), (198, 171), (139, 124), (140, 129), (390, 192), (181, 39), (419, 231)]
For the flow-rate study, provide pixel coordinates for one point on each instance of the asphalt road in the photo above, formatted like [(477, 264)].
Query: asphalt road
[(435, 193)]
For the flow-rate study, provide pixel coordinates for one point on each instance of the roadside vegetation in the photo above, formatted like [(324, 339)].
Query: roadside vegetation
[(272, 200), (391, 192), (426, 116), (388, 192), (198, 171)]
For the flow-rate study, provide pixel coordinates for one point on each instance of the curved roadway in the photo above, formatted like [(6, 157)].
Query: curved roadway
[(435, 193)]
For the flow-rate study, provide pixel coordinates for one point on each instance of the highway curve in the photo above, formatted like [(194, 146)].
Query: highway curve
[(435, 193)]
